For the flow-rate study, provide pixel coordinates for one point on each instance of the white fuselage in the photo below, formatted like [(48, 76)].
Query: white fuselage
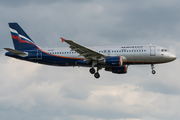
[(132, 54)]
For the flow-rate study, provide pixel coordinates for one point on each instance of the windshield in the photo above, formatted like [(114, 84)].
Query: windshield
[(164, 50)]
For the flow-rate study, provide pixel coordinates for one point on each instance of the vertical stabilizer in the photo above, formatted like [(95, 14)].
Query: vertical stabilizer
[(20, 39)]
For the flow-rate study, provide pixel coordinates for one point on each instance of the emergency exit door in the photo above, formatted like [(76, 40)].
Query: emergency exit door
[(39, 54)]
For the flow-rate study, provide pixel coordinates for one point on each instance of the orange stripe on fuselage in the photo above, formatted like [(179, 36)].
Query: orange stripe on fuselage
[(125, 69), (120, 61)]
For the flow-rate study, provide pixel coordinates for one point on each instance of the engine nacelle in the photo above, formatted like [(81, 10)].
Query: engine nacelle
[(112, 61), (117, 70)]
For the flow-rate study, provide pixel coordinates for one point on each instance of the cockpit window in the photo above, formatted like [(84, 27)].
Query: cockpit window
[(164, 50)]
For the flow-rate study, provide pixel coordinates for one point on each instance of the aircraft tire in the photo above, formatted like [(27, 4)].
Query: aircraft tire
[(92, 70), (153, 72), (97, 75)]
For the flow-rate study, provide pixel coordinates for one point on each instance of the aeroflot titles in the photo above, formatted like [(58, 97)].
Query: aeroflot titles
[(132, 47)]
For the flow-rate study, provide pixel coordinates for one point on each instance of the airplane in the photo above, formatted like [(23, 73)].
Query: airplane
[(115, 59)]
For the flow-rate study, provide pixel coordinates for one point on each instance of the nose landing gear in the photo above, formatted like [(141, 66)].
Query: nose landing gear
[(153, 72), (152, 67)]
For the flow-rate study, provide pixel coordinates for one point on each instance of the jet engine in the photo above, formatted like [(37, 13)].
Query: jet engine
[(118, 70), (112, 61)]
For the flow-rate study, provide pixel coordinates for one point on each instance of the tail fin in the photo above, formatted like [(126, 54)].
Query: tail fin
[(20, 39)]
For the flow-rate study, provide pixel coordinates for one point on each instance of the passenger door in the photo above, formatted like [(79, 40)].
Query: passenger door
[(152, 51)]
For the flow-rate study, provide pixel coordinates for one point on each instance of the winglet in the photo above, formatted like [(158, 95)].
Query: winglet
[(62, 39)]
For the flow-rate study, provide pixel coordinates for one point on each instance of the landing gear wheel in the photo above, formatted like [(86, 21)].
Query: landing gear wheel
[(153, 72), (152, 67), (92, 71), (96, 75)]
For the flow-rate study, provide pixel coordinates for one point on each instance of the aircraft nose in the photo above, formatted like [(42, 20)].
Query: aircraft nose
[(173, 57)]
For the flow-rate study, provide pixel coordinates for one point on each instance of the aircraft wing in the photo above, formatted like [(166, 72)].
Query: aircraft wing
[(86, 52)]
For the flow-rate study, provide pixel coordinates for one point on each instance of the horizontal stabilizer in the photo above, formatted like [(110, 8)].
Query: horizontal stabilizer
[(16, 52)]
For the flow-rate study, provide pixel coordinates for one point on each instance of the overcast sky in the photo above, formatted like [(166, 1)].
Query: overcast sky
[(30, 91)]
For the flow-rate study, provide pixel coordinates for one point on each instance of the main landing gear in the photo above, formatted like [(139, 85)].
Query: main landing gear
[(96, 74), (93, 71), (152, 67)]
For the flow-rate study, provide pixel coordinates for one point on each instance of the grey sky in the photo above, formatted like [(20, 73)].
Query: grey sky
[(31, 91)]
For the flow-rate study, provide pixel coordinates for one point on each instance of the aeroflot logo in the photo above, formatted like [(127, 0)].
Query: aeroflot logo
[(19, 37)]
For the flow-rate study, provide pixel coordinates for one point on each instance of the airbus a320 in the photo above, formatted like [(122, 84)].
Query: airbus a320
[(115, 59)]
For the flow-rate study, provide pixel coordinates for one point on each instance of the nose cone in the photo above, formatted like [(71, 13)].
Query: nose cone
[(172, 57)]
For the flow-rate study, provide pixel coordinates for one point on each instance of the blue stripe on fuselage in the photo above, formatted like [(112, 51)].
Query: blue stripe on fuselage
[(46, 59)]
